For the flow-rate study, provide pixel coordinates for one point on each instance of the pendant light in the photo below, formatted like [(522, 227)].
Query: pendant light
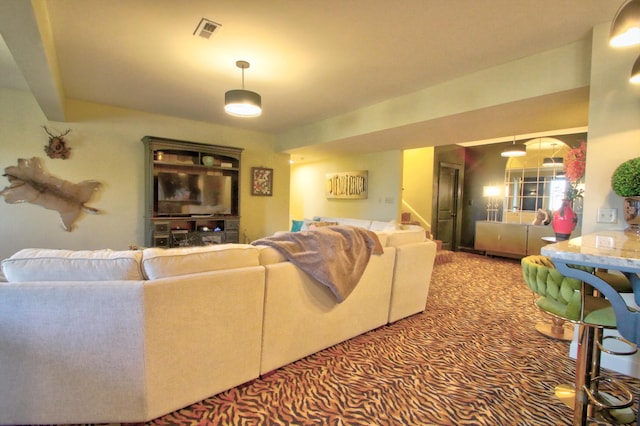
[(625, 29), (241, 102), (516, 150), (635, 72), (553, 161)]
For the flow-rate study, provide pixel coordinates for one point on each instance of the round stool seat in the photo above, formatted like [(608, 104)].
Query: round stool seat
[(560, 296)]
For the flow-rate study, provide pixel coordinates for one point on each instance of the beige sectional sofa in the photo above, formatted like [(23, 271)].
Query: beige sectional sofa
[(127, 336)]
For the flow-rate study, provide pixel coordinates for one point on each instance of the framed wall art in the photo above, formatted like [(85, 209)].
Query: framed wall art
[(348, 185), (261, 181)]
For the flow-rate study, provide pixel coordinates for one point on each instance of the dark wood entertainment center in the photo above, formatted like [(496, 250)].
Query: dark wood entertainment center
[(192, 195)]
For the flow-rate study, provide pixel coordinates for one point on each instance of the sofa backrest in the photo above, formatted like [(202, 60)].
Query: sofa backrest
[(388, 238), (153, 263), (162, 263), (35, 264), (402, 237), (110, 265), (269, 255), (371, 225)]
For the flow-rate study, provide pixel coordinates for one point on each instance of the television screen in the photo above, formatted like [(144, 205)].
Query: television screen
[(178, 187), (193, 194)]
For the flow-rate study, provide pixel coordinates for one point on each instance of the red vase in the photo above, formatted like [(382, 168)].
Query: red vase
[(564, 221)]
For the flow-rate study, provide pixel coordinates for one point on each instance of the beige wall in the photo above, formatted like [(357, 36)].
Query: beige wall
[(614, 126), (308, 197), (106, 147), (614, 137), (556, 70), (417, 188)]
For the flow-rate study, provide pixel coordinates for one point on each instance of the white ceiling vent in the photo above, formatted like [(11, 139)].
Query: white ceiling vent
[(206, 28)]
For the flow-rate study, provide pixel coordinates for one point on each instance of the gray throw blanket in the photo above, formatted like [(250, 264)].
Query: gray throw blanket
[(336, 256)]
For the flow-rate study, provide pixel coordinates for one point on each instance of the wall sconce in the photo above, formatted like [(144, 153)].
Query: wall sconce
[(625, 29), (491, 193), (516, 150), (241, 102)]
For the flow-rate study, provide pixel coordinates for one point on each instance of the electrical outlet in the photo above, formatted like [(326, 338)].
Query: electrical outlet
[(604, 242), (607, 215)]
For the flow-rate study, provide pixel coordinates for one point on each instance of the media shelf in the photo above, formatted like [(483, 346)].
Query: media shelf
[(192, 193), (193, 231)]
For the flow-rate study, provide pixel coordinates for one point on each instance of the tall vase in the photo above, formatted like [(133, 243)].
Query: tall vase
[(564, 221), (632, 215)]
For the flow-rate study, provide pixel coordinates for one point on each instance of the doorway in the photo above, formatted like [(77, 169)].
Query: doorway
[(448, 196)]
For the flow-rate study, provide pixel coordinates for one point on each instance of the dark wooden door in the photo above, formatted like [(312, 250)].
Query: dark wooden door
[(447, 211)]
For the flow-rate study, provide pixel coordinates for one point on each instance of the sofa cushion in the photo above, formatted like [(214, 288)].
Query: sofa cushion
[(70, 265), (162, 263), (306, 223), (321, 224), (406, 236), (296, 225), (383, 237), (269, 255), (378, 225), (346, 221)]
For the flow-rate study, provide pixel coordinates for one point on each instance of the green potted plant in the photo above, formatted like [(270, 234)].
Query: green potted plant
[(625, 182)]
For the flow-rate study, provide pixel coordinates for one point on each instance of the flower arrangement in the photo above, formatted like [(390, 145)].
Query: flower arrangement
[(574, 166)]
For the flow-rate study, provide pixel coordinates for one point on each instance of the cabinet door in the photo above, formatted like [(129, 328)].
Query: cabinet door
[(501, 238), (485, 236), (513, 240), (534, 239)]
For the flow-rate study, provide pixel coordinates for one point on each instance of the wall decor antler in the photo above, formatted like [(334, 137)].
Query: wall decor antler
[(57, 147), (31, 184)]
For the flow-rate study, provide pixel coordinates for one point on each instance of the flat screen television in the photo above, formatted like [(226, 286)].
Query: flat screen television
[(192, 194)]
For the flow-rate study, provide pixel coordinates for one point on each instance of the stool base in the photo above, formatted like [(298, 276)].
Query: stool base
[(566, 393), (553, 331)]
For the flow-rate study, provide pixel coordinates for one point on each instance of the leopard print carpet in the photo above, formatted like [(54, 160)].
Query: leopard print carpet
[(472, 358)]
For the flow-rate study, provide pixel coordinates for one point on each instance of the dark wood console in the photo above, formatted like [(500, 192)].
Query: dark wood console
[(192, 193)]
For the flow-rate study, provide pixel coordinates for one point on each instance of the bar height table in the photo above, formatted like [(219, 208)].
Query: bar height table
[(612, 250)]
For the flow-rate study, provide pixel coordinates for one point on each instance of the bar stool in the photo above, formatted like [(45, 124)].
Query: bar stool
[(571, 300)]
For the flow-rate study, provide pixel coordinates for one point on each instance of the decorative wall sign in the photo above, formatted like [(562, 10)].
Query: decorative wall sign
[(261, 181), (57, 147), (349, 185), (31, 184)]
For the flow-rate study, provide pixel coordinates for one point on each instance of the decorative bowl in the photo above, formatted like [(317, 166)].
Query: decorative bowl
[(207, 160)]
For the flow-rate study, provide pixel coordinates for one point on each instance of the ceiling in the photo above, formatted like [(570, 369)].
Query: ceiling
[(310, 60)]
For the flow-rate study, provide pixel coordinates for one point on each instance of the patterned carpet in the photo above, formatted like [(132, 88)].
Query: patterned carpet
[(472, 358)]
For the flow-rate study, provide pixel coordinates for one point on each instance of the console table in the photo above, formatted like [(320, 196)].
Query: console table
[(612, 250), (510, 239)]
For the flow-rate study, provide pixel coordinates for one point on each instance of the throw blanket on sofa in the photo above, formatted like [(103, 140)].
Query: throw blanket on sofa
[(336, 256)]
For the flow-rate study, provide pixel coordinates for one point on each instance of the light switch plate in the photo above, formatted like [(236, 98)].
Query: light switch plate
[(607, 215)]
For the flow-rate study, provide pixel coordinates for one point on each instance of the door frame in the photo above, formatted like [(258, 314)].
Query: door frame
[(455, 241)]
